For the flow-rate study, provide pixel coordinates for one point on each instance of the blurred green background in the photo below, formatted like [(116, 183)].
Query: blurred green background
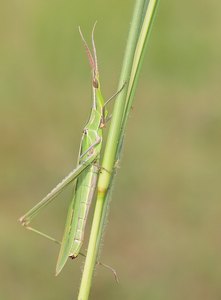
[(163, 234)]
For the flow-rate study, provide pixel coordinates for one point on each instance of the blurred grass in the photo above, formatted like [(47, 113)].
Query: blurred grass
[(163, 235)]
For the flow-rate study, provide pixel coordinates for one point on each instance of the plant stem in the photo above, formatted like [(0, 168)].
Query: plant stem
[(149, 15), (115, 137)]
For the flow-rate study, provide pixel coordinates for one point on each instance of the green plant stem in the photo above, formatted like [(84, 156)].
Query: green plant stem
[(114, 143), (145, 31)]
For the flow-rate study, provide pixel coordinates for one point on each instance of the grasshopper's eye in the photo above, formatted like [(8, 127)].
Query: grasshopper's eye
[(95, 83)]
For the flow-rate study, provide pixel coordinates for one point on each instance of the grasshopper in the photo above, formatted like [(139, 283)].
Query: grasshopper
[(85, 174)]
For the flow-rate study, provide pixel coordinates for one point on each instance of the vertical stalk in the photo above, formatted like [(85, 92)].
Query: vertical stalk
[(129, 74)]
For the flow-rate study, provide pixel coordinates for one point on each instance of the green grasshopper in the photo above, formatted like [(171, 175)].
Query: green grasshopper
[(85, 173)]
